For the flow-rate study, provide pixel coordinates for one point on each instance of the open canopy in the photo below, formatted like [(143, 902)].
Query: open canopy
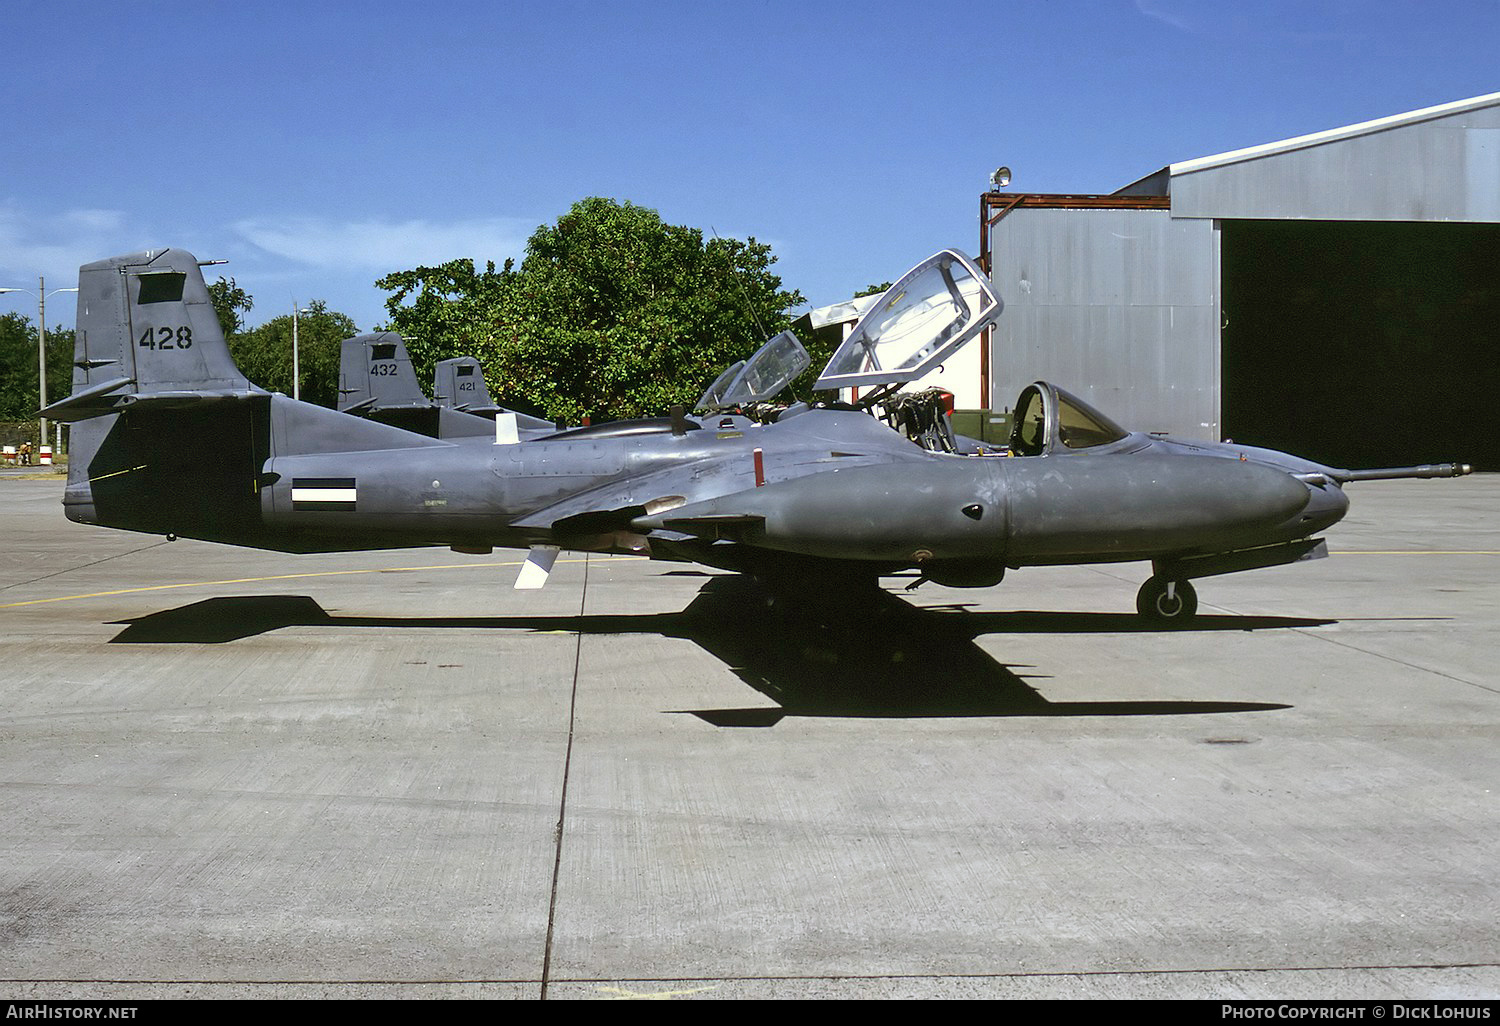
[(934, 310)]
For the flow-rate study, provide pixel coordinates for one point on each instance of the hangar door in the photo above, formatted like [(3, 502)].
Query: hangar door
[(1363, 344)]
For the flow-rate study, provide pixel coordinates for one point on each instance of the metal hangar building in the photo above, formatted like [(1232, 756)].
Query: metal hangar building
[(1336, 295)]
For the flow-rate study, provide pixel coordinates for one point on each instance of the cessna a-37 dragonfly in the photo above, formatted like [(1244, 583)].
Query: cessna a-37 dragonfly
[(170, 438)]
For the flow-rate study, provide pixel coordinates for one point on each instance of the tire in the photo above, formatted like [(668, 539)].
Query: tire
[(1154, 605)]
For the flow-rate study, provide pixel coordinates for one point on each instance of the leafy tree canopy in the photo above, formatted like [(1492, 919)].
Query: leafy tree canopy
[(613, 313), (19, 392), (264, 354), (229, 300)]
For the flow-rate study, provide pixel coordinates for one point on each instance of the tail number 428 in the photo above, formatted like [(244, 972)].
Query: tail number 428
[(166, 338)]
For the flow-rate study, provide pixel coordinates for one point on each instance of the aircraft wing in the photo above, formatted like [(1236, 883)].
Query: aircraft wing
[(615, 504), (717, 495)]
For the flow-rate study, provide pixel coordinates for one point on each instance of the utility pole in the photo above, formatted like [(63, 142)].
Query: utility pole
[(41, 352), (41, 294), (296, 368)]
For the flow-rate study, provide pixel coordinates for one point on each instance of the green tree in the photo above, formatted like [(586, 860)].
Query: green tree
[(612, 313), (264, 354), (452, 311), (18, 393), (19, 390), (229, 300)]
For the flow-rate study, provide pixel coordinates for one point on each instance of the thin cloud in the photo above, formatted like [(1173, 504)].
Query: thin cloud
[(1173, 14), (1275, 22), (56, 244), (386, 245)]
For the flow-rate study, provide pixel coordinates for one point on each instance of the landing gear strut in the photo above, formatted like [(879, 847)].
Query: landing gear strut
[(1166, 602)]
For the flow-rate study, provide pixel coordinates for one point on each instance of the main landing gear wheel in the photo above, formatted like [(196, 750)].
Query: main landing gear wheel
[(1166, 602)]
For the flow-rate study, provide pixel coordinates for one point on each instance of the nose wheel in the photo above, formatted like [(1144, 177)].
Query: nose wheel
[(1166, 602)]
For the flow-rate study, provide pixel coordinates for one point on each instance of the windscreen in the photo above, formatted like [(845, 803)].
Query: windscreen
[(1080, 426), (711, 399), (772, 368)]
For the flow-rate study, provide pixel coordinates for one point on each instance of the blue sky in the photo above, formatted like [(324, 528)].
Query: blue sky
[(317, 146)]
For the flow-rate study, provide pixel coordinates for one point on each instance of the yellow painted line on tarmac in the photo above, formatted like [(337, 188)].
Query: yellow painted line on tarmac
[(474, 566), (276, 577)]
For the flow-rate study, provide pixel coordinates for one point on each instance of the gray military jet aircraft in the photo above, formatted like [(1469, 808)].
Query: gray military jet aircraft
[(377, 381), (170, 438)]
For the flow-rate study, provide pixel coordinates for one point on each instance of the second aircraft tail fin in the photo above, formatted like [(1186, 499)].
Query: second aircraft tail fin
[(375, 373)]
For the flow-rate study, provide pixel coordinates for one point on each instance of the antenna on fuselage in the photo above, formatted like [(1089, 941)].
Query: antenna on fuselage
[(750, 307)]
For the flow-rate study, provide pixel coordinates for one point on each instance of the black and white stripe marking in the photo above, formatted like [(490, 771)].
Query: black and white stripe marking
[(335, 494)]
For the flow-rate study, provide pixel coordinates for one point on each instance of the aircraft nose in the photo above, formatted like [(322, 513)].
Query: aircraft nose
[(1326, 506)]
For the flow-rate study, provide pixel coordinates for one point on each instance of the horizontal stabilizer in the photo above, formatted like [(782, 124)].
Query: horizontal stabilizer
[(94, 401), (184, 398), (107, 400), (361, 407)]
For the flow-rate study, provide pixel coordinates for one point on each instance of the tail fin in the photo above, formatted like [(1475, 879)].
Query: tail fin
[(147, 333), (459, 385), (375, 373)]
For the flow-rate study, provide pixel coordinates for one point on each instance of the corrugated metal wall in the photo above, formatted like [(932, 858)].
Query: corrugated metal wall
[(1118, 306), (1125, 306), (1443, 169)]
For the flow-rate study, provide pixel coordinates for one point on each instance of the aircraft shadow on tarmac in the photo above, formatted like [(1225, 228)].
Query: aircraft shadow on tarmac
[(878, 657)]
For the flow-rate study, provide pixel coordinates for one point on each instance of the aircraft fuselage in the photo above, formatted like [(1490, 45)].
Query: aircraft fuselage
[(825, 484)]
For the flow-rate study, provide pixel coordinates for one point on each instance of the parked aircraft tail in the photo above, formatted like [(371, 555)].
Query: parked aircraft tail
[(377, 381), (169, 436), (147, 333), (375, 372), (459, 385)]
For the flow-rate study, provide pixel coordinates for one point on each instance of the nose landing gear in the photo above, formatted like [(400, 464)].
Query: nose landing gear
[(1166, 602)]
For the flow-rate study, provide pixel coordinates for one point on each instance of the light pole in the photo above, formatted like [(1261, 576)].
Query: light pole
[(296, 366), (41, 295)]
